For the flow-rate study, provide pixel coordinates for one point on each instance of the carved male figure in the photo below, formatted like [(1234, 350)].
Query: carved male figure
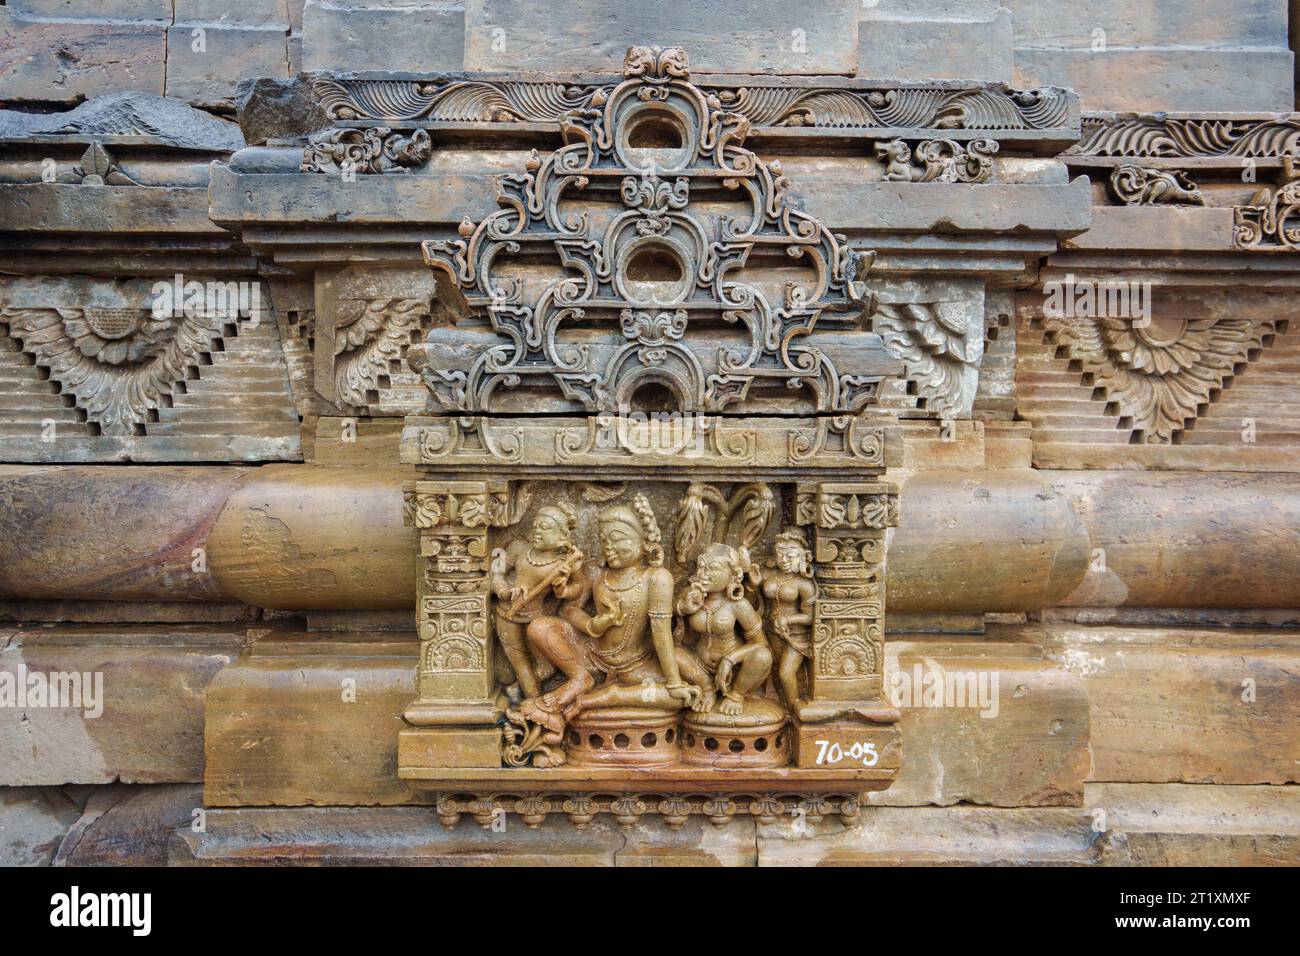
[(628, 639), (525, 576)]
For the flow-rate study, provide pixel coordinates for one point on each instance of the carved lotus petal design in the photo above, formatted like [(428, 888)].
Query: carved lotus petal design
[(1160, 375)]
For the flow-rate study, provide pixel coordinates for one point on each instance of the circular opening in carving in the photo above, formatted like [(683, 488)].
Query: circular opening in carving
[(710, 743), (653, 397), (736, 746), (621, 741), (574, 738), (648, 740), (655, 136), (780, 740), (596, 741), (671, 734), (760, 744), (652, 130), (654, 275)]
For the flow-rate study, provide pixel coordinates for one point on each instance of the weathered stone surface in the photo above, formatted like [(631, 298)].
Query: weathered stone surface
[(276, 545), (123, 825), (310, 719), (165, 120), (265, 14), (33, 822), (206, 69), (67, 60), (919, 40), (985, 722), (1043, 547), (157, 517), (1187, 540), (725, 36), (277, 109), (98, 10), (1175, 825), (139, 717), (953, 836), (384, 35), (1165, 79), (411, 836), (1185, 704), (1150, 23)]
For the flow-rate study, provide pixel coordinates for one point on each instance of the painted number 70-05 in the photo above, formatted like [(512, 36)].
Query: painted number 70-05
[(831, 752)]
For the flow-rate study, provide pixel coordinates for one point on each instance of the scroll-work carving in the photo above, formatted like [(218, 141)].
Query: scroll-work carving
[(634, 228), (1267, 223), (1140, 186), (474, 100)]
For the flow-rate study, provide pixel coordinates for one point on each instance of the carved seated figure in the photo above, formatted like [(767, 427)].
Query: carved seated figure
[(526, 577), (734, 725), (626, 645), (714, 604)]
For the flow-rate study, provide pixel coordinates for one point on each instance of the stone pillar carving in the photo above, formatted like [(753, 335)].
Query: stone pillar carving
[(848, 522), (455, 686)]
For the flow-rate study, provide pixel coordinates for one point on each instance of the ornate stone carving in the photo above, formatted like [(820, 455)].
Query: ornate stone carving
[(1135, 185), (1162, 136), (371, 335), (97, 168), (539, 336), (938, 160), (374, 150), (118, 363), (665, 344), (454, 100), (1159, 375), (939, 351), (675, 808), (1266, 224)]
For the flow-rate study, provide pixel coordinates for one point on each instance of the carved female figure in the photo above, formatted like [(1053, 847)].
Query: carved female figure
[(714, 604), (629, 637), (791, 593), (525, 576)]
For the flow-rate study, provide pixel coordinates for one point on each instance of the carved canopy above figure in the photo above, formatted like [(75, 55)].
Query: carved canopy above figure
[(653, 249)]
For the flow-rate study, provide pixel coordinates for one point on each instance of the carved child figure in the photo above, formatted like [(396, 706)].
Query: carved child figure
[(791, 593), (525, 575), (713, 605)]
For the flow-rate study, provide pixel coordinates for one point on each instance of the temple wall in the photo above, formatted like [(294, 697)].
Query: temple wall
[(1102, 519)]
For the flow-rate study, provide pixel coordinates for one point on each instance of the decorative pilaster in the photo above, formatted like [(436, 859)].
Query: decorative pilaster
[(454, 679), (848, 524)]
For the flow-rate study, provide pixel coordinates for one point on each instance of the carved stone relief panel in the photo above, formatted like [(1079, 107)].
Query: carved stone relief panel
[(143, 370), (674, 588)]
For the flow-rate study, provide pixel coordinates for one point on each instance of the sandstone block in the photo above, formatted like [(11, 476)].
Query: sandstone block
[(139, 714), (919, 42), (310, 720), (1187, 705), (985, 721), (724, 36), (342, 35), (205, 64), (67, 60)]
